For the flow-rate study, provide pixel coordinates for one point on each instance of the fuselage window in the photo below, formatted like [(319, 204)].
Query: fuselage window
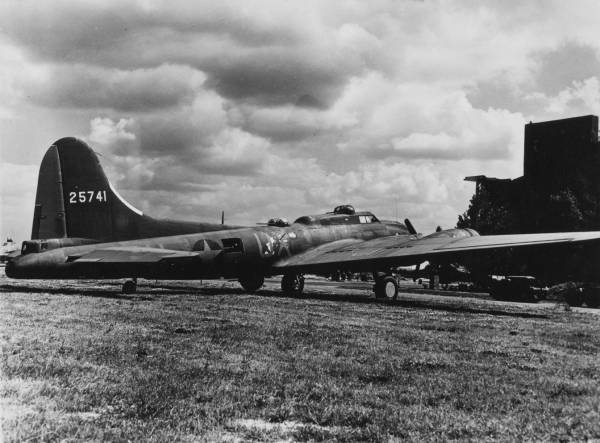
[(232, 244), (349, 220), (213, 245)]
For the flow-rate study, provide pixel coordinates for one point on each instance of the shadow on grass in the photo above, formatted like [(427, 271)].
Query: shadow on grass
[(87, 292), (420, 304), (112, 291)]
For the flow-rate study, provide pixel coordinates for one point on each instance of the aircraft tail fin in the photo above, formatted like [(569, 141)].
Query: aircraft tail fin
[(75, 199)]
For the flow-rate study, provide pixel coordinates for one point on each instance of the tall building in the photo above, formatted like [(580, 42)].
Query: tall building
[(559, 153), (559, 189)]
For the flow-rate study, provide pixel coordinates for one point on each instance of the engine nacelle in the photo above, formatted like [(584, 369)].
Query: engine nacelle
[(35, 246), (455, 233)]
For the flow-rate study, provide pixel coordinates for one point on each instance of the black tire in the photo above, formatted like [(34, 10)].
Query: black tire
[(386, 288), (129, 287), (292, 284), (498, 293), (574, 297), (251, 282), (591, 297)]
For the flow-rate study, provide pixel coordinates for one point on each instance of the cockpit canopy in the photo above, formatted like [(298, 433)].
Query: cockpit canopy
[(279, 222), (344, 209), (338, 218)]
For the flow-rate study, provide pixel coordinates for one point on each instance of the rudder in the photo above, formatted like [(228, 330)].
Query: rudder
[(75, 199)]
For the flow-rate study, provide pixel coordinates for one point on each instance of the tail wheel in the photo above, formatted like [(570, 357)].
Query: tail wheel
[(591, 297), (292, 284), (251, 282), (386, 288)]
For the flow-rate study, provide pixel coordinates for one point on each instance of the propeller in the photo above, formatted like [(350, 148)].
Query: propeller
[(410, 227)]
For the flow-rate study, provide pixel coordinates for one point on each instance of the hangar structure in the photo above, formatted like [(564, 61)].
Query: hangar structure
[(559, 189)]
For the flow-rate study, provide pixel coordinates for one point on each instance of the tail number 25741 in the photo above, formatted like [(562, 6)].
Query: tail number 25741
[(87, 196)]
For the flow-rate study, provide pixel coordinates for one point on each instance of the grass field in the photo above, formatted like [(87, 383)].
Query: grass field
[(81, 362)]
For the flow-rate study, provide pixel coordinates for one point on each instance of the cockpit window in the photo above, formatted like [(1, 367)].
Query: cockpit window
[(369, 218), (31, 246)]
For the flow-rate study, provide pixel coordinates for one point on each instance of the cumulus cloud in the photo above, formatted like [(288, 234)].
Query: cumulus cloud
[(282, 108), (272, 53), (581, 97), (17, 197), (559, 67), (82, 86), (105, 131)]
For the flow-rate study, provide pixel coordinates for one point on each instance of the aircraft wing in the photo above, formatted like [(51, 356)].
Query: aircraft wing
[(410, 250), (131, 254)]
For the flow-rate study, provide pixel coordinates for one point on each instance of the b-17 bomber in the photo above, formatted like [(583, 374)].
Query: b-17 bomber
[(82, 228)]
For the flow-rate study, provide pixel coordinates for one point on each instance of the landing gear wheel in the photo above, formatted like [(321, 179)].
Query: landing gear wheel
[(251, 282), (591, 297), (129, 287), (574, 297), (386, 288), (292, 284)]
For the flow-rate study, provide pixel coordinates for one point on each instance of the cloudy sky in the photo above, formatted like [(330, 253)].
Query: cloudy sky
[(281, 108)]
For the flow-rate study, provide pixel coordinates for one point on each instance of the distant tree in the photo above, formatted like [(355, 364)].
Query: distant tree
[(488, 214), (533, 210), (563, 212)]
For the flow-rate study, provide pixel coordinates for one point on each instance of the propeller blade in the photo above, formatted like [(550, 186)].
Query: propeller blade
[(416, 274), (410, 227)]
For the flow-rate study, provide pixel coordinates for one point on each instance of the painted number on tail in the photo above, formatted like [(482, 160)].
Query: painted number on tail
[(87, 197)]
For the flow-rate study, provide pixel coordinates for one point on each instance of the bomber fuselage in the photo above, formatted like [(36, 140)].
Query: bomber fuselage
[(227, 253)]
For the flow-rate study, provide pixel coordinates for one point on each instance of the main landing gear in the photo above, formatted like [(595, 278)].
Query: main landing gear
[(386, 287), (129, 286), (590, 295), (251, 282), (292, 284)]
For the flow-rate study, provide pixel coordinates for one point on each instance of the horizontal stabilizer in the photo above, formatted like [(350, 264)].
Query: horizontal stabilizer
[(132, 254)]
